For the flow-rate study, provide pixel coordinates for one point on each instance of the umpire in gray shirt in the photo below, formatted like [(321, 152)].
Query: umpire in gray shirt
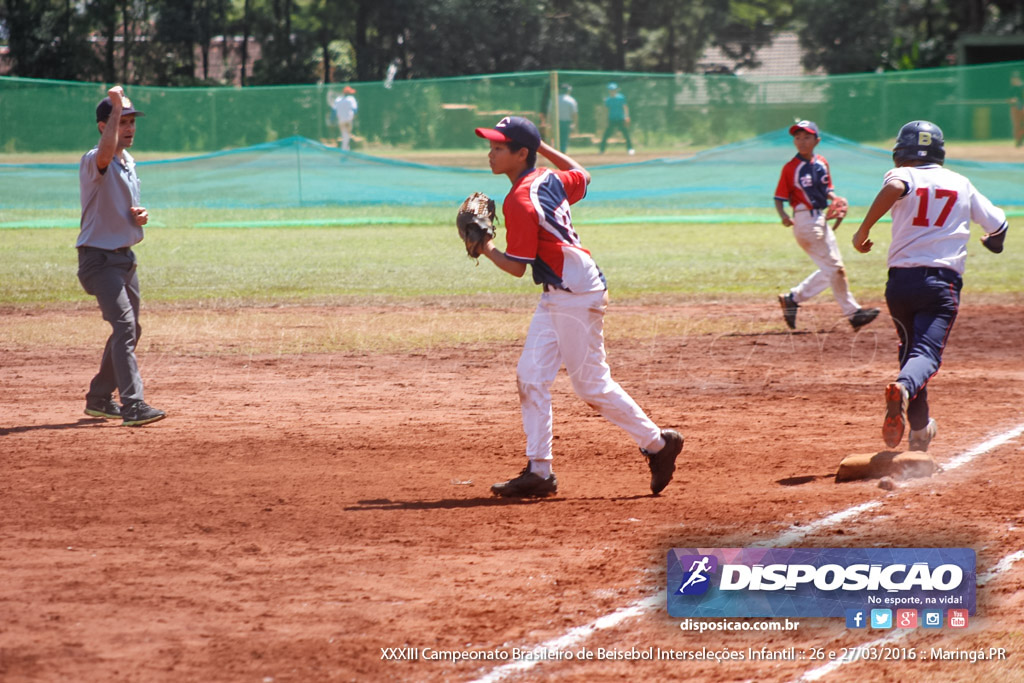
[(112, 220)]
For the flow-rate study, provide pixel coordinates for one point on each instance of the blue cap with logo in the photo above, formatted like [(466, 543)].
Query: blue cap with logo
[(513, 129)]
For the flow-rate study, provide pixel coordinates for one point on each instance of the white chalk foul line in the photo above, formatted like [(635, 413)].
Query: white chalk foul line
[(797, 533), (981, 448), (1001, 567), (822, 671), (578, 634)]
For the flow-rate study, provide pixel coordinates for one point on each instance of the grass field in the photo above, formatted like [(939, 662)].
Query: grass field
[(975, 150), (401, 263)]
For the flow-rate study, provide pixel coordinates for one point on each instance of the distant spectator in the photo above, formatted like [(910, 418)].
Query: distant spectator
[(1017, 107), (618, 117), (345, 108), (568, 116)]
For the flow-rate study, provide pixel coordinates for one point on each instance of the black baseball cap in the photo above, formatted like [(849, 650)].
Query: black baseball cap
[(513, 129), (105, 106)]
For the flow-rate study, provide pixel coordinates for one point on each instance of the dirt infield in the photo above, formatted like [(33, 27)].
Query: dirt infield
[(298, 514)]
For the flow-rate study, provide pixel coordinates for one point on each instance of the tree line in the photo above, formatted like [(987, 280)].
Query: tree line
[(175, 42)]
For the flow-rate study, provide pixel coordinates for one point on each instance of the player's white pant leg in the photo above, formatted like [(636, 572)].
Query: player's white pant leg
[(537, 369), (819, 242), (578, 320), (345, 128)]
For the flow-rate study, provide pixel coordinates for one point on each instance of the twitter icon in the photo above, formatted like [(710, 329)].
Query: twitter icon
[(881, 618)]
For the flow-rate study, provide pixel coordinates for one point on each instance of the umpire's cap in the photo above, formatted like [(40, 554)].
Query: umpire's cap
[(105, 106)]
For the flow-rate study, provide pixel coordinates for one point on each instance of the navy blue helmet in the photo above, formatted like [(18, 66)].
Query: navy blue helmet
[(920, 141)]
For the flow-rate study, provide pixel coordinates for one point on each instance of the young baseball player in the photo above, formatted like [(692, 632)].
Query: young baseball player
[(345, 108), (932, 208), (806, 184), (567, 326)]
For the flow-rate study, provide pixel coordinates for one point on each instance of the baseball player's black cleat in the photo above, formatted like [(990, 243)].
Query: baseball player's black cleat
[(896, 399), (526, 485), (788, 309), (102, 406), (863, 316), (920, 439), (663, 463), (140, 413)]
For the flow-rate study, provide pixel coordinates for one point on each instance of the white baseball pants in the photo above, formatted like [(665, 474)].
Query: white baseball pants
[(569, 328), (814, 235), (345, 130)]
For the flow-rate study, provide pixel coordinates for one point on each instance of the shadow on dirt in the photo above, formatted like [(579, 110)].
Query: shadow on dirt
[(799, 481), (83, 422)]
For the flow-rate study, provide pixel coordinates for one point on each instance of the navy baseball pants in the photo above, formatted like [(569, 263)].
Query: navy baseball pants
[(613, 125), (923, 303)]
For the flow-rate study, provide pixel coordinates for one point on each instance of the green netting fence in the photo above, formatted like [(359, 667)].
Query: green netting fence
[(297, 172), (969, 103)]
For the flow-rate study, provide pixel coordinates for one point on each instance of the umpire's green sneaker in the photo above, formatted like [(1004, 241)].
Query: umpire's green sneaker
[(526, 485), (140, 413), (102, 406)]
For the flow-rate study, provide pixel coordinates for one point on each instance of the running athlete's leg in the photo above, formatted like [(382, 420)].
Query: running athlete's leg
[(538, 366), (924, 309), (579, 322), (819, 242)]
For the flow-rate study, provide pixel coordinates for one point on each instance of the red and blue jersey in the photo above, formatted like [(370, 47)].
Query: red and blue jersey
[(540, 231), (805, 182)]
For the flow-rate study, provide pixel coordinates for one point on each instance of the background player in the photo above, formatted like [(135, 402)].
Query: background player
[(618, 117), (806, 184), (567, 326), (345, 107), (932, 208), (568, 116)]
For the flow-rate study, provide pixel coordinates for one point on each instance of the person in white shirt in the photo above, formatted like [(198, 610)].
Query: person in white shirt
[(345, 107), (932, 209), (568, 116)]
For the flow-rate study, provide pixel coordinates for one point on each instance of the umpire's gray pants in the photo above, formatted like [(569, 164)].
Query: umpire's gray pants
[(111, 277)]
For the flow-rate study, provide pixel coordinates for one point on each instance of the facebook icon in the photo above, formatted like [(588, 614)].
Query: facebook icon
[(856, 618)]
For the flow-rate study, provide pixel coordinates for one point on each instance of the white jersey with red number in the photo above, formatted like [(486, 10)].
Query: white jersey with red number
[(931, 222)]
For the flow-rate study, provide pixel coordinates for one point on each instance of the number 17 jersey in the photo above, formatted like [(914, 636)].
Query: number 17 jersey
[(931, 222)]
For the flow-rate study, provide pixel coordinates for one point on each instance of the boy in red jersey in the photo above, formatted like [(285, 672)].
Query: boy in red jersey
[(567, 326), (806, 184)]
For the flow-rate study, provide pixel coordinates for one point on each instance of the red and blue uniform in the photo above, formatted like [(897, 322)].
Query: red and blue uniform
[(805, 183), (540, 232)]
